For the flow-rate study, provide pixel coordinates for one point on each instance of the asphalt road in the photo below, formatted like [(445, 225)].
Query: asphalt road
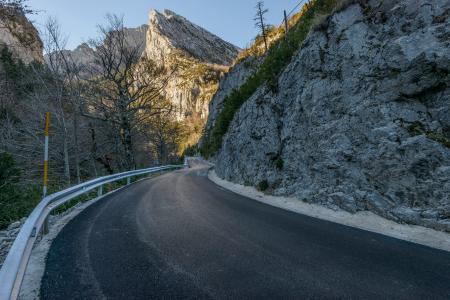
[(181, 236)]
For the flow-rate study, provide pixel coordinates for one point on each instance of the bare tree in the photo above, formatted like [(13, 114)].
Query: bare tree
[(260, 21), (125, 88), (166, 136), (63, 66), (56, 64)]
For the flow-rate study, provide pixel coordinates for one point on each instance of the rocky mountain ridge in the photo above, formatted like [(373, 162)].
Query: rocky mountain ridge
[(361, 120), (83, 55), (196, 59), (169, 32)]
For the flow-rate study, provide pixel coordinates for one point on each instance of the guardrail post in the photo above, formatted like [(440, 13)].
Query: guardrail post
[(45, 227), (100, 191), (128, 180)]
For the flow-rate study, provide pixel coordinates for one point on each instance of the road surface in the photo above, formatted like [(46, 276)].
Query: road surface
[(181, 236)]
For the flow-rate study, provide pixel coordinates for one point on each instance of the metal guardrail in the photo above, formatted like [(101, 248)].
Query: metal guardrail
[(13, 269)]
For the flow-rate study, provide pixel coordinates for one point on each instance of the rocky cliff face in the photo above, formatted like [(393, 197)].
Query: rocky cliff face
[(362, 117), (197, 58), (20, 36), (170, 33), (235, 78)]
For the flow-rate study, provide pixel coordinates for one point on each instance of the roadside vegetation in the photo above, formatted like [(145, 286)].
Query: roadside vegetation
[(16, 201), (277, 58), (104, 118)]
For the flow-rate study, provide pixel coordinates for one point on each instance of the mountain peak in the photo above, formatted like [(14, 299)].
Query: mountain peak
[(169, 13), (169, 31)]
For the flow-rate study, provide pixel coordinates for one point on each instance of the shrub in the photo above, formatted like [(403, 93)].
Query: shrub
[(263, 185), (320, 22), (191, 150), (16, 201), (279, 163)]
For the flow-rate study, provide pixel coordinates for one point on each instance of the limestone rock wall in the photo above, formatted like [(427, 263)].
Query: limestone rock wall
[(196, 57), (362, 117)]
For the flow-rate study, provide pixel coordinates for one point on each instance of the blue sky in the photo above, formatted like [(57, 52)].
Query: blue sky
[(232, 20)]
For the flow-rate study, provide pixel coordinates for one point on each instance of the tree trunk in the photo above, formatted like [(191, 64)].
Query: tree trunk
[(127, 144), (263, 29), (66, 161), (125, 134), (77, 158)]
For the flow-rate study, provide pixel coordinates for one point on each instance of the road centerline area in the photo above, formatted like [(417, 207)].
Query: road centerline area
[(181, 236)]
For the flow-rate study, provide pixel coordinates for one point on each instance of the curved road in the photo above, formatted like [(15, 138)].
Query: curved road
[(181, 236)]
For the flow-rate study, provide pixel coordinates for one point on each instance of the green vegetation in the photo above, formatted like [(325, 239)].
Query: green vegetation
[(277, 58), (279, 163), (440, 138), (14, 68), (16, 201), (417, 128), (190, 150), (273, 34), (18, 197), (80, 199), (19, 74), (107, 188), (263, 185)]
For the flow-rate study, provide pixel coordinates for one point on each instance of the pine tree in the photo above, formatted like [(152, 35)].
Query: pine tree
[(261, 21)]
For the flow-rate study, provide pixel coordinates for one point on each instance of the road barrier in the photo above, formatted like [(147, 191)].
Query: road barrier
[(13, 269)]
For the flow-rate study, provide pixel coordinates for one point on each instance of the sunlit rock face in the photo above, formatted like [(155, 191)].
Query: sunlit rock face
[(362, 117), (169, 33), (19, 35), (196, 59)]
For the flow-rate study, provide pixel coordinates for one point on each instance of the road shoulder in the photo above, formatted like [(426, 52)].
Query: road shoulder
[(363, 220), (31, 284)]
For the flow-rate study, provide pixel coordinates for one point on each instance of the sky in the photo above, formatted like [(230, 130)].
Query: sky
[(232, 20)]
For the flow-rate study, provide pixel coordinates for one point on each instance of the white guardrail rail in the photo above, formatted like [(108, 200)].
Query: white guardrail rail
[(13, 269)]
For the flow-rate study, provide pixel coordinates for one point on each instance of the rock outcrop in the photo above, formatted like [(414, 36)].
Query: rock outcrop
[(362, 117), (170, 33), (232, 80), (19, 35), (197, 58)]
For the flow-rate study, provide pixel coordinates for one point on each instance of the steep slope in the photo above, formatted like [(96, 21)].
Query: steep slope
[(170, 33), (19, 35), (361, 117), (196, 59), (232, 80)]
